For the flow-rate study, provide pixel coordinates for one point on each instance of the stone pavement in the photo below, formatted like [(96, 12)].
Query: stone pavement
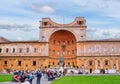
[(43, 81)]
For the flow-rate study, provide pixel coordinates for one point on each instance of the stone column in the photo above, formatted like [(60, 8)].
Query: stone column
[(117, 65), (111, 64), (96, 64), (101, 64)]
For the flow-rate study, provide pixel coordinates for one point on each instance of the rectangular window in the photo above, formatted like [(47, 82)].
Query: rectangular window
[(105, 49), (20, 50), (113, 49), (27, 50), (34, 63), (53, 51), (90, 49), (72, 51), (5, 62), (35, 50), (58, 52), (0, 50), (58, 42), (106, 62), (19, 63), (6, 50), (68, 52), (13, 50), (97, 49), (98, 63)]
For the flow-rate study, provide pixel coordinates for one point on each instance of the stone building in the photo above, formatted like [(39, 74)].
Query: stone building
[(61, 41)]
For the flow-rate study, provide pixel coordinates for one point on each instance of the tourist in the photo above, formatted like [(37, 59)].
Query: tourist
[(39, 75), (26, 81), (31, 77)]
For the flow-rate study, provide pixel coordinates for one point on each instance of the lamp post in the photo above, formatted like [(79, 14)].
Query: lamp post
[(61, 60)]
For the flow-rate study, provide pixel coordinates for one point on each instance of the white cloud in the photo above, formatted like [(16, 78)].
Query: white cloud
[(19, 38), (44, 9), (108, 8), (97, 33)]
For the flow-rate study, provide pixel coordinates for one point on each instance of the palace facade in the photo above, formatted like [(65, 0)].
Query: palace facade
[(60, 40)]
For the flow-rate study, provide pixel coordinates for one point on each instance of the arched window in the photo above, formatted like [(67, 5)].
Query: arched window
[(90, 63), (53, 63), (106, 62), (54, 42), (68, 63)]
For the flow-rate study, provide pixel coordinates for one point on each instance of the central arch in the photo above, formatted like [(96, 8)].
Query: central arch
[(62, 43)]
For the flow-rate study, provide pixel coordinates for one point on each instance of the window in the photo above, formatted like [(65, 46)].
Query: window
[(5, 62), (43, 37), (45, 23), (113, 49), (53, 51), (6, 50), (20, 50), (0, 50), (106, 62), (53, 63), (68, 42), (105, 49), (58, 42), (68, 52), (90, 63), (114, 66), (97, 49), (13, 50), (79, 22), (63, 53), (72, 51), (34, 63), (54, 42), (19, 63), (72, 63), (58, 52), (35, 50), (98, 63), (81, 37), (68, 63), (90, 49), (27, 50)]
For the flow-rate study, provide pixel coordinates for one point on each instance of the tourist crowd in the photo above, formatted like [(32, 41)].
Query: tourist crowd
[(26, 77)]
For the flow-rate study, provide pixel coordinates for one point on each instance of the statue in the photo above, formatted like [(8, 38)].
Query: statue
[(61, 60)]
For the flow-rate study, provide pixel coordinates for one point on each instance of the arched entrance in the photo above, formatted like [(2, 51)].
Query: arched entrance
[(62, 48)]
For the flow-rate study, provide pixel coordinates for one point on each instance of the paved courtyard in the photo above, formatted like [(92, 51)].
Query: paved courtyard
[(43, 81)]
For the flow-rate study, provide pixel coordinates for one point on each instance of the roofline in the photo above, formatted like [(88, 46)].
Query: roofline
[(22, 42), (100, 41)]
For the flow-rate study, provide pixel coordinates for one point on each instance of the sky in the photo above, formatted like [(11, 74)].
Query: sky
[(19, 19)]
